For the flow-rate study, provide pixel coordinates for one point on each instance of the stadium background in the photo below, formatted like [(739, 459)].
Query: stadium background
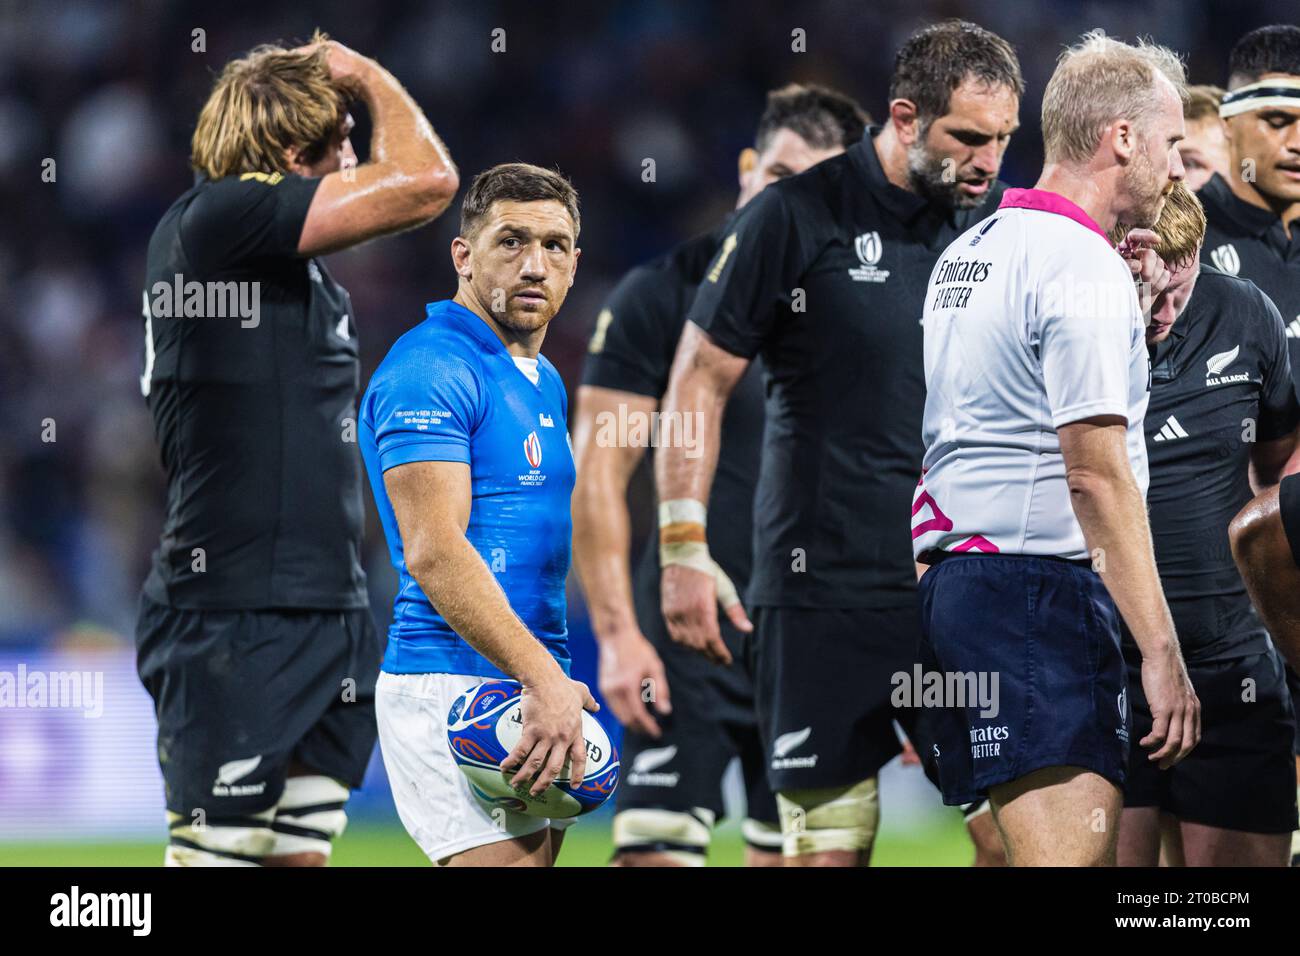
[(110, 92)]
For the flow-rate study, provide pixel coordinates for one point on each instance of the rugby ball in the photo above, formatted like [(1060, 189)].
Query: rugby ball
[(483, 726)]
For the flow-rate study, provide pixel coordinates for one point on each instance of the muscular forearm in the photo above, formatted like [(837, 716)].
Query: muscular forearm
[(402, 136), (463, 590), (1113, 517)]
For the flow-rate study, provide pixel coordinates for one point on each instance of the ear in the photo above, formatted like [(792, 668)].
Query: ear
[(746, 163), (292, 161), (573, 270), (1123, 139), (906, 121), (460, 256)]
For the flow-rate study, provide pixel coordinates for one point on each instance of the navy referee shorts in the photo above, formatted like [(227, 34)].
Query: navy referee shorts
[(1044, 634)]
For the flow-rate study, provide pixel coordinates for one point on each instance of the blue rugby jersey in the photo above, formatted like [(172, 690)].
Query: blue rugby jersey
[(449, 391)]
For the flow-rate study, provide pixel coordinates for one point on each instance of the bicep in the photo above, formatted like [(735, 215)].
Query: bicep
[(604, 452), (431, 500), (703, 363), (1095, 447), (1270, 458)]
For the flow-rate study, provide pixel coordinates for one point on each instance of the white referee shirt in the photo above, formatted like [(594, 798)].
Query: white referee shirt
[(1031, 322)]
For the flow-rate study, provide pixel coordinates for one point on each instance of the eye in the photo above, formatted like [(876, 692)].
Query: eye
[(510, 242)]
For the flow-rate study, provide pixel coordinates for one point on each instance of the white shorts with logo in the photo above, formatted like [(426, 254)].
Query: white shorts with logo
[(433, 797)]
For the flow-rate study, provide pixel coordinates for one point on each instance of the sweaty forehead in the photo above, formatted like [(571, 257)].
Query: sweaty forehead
[(978, 103), (543, 217)]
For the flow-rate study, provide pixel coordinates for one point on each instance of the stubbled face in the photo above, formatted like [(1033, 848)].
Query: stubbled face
[(1269, 141), (958, 155), (338, 153), (1171, 302), (786, 154), (1154, 165), (1204, 152), (520, 262)]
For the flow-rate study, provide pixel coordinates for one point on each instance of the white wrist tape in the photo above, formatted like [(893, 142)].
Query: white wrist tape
[(683, 510)]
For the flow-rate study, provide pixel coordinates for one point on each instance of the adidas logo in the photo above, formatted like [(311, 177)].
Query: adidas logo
[(1171, 430)]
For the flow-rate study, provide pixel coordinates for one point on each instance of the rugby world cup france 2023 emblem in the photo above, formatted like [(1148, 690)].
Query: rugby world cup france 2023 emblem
[(533, 450)]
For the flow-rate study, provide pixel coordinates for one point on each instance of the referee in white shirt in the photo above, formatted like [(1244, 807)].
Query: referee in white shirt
[(1035, 470)]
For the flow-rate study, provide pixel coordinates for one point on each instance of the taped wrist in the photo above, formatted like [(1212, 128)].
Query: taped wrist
[(682, 541)]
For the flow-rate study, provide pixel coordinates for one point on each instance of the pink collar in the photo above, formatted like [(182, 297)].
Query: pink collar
[(1045, 201)]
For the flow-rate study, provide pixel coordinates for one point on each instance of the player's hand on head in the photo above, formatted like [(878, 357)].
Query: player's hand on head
[(347, 66), (1175, 709), (689, 602), (1150, 271), (632, 679)]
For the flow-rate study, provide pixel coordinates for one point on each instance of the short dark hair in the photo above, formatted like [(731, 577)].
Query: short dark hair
[(825, 118), (938, 59), (516, 182), (1271, 49)]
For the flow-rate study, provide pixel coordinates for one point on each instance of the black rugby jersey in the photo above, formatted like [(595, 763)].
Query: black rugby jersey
[(1249, 241), (823, 275), (1220, 382), (252, 375)]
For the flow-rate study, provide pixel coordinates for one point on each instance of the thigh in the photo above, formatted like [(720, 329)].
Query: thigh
[(822, 691), (1058, 816)]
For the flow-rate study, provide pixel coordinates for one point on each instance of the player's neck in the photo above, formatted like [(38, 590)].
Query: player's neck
[(518, 344), (1284, 209), (893, 157), (1092, 193)]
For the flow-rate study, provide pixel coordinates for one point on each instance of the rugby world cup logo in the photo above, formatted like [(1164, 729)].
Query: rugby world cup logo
[(533, 450), (1225, 259), (868, 247)]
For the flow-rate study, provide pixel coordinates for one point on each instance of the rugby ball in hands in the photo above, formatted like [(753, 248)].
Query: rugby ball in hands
[(483, 726)]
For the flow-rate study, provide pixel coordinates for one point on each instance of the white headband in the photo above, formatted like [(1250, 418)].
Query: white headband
[(1277, 92)]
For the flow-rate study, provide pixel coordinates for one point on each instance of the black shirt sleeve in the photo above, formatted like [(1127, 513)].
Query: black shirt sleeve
[(752, 276), (246, 217), (636, 333), (1279, 411)]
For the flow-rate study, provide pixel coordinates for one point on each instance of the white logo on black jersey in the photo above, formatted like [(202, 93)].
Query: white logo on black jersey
[(313, 271), (341, 330), (1217, 363), (1293, 330), (1225, 259), (1171, 430), (869, 248)]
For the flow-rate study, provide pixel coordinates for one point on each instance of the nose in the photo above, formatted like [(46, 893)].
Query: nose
[(988, 157), (1177, 171), (533, 265)]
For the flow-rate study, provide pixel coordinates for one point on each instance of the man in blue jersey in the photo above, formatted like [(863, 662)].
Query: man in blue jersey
[(463, 432)]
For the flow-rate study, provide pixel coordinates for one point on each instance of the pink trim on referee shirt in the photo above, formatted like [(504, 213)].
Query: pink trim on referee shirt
[(1045, 201)]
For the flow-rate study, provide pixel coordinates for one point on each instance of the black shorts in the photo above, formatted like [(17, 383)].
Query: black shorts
[(1241, 776), (1049, 633), (823, 683), (241, 694), (713, 721)]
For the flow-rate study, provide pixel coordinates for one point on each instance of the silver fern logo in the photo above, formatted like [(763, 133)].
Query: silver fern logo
[(1216, 364)]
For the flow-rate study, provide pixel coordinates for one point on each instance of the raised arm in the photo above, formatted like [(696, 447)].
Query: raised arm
[(431, 501), (409, 179)]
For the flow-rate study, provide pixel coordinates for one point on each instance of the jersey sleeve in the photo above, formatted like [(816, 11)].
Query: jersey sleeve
[(753, 273), (1279, 411), (636, 336), (425, 406), (252, 216), (1084, 326)]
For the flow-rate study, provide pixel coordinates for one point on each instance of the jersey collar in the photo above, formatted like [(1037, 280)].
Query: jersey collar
[(1045, 201), (448, 312), (902, 203), (1253, 219)]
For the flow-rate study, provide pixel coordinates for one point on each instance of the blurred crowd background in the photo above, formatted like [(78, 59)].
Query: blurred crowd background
[(110, 90)]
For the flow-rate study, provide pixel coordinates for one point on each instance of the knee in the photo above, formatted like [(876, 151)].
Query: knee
[(649, 837), (831, 819)]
